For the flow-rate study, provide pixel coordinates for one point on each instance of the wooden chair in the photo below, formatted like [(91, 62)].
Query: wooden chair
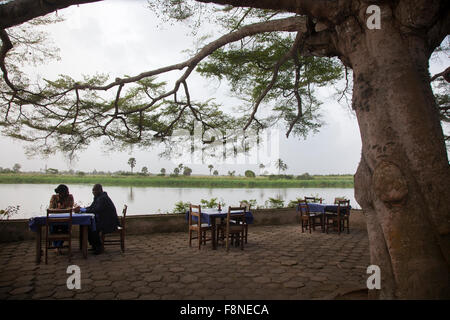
[(317, 219), (313, 200), (235, 227), (340, 218), (197, 226), (247, 207), (118, 236), (331, 214), (221, 230), (54, 217), (336, 200), (305, 218)]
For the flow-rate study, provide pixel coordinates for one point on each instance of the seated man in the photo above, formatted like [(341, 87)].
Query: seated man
[(105, 217)]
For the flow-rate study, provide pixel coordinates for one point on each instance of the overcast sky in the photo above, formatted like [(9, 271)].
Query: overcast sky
[(123, 38)]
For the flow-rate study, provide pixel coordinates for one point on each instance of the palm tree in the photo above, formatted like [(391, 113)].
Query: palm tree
[(281, 166), (132, 163), (210, 168)]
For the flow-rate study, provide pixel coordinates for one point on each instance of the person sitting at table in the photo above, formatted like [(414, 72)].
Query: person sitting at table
[(106, 218), (61, 200)]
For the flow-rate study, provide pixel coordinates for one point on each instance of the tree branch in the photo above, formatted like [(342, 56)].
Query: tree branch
[(116, 118), (6, 46), (287, 24), (277, 66), (291, 24), (16, 12), (326, 9), (297, 96), (320, 44), (445, 74)]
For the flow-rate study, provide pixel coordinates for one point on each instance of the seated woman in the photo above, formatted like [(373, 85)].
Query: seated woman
[(61, 200)]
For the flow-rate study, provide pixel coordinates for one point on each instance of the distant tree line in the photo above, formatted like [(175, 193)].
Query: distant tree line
[(177, 171), (15, 169)]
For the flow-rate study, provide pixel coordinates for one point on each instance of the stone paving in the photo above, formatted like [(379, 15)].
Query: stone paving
[(278, 262)]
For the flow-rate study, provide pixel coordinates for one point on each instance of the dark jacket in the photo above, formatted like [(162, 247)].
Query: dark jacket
[(105, 213)]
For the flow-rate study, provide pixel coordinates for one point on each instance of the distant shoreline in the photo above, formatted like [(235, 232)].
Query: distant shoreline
[(331, 181)]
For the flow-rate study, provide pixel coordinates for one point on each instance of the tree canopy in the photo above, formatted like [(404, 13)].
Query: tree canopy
[(264, 54), (264, 64)]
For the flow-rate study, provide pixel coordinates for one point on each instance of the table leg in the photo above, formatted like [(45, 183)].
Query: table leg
[(80, 237), (38, 244), (213, 233), (84, 231), (323, 222)]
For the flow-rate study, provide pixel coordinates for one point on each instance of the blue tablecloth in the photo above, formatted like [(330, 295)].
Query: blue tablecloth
[(322, 208), (208, 213), (77, 219)]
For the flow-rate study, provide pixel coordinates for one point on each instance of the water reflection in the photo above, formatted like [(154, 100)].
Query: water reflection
[(261, 194), (130, 195), (151, 200)]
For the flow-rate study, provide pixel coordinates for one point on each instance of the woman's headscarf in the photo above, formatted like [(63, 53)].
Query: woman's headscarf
[(62, 190)]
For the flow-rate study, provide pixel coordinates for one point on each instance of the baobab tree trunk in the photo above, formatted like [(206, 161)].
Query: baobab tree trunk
[(403, 180)]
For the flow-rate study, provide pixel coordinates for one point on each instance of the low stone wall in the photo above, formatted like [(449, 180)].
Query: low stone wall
[(17, 230)]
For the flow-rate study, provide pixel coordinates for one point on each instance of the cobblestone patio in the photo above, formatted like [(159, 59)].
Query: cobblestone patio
[(278, 262)]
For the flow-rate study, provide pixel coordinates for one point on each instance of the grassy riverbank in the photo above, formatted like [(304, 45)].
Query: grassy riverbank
[(338, 181)]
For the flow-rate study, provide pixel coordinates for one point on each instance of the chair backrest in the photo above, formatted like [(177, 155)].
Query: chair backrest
[(245, 205), (343, 207), (52, 216), (124, 214), (303, 207), (237, 215), (313, 200), (336, 200), (195, 211)]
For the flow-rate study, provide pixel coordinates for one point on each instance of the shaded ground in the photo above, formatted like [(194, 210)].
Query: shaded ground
[(278, 262)]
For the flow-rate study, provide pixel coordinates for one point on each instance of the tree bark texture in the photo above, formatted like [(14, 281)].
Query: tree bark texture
[(16, 12), (403, 180)]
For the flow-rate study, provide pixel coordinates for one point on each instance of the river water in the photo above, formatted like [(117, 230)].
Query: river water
[(33, 199)]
